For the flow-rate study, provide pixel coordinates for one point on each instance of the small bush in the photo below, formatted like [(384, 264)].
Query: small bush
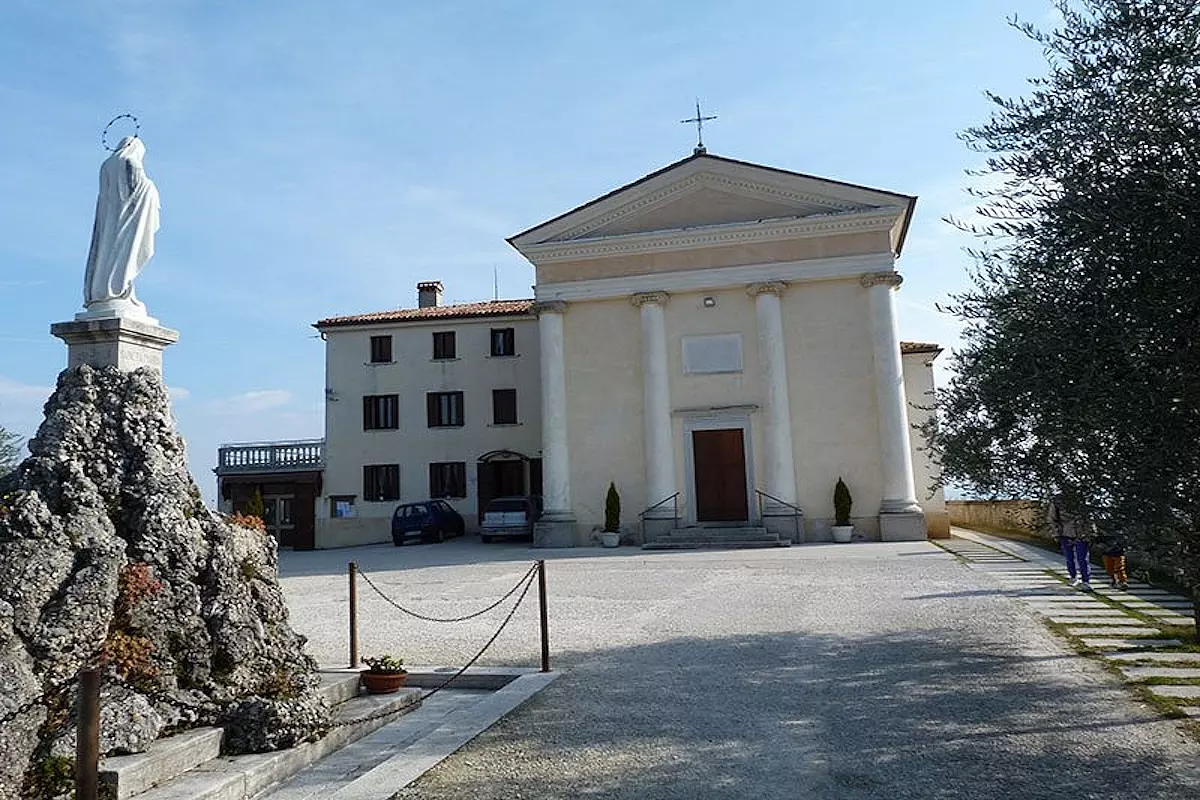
[(841, 503), (612, 509)]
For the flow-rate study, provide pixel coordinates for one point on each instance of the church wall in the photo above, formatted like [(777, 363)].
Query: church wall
[(711, 257), (602, 351), (918, 389), (831, 387), (686, 315), (414, 445)]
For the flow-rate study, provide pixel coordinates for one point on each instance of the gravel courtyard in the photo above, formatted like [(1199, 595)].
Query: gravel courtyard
[(821, 671)]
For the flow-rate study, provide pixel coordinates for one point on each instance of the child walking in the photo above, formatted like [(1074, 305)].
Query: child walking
[(1114, 565)]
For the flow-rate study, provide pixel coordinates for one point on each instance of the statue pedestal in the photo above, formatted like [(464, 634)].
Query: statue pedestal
[(126, 343)]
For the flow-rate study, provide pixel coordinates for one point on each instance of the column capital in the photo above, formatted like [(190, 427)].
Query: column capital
[(892, 279), (550, 307), (655, 298), (776, 288)]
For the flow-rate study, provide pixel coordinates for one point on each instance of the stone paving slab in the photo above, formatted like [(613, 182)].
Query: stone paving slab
[(1096, 612), (1189, 692), (1107, 642), (1181, 622), (1138, 673), (1151, 655), (1118, 621), (1110, 630)]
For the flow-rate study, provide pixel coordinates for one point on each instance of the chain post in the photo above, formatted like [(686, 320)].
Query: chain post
[(87, 740), (542, 615), (353, 575)]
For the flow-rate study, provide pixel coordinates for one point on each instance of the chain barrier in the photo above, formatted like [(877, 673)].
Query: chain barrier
[(527, 581), (427, 618)]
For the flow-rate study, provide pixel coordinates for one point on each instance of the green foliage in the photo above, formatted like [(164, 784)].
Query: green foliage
[(612, 509), (10, 451), (386, 664), (249, 570), (255, 507), (841, 503), (52, 777), (1081, 356)]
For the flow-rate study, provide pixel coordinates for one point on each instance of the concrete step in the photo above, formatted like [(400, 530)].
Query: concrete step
[(163, 760), (245, 776), (714, 544), (172, 756), (730, 538)]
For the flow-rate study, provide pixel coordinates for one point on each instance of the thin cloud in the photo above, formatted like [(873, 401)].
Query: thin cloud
[(253, 402)]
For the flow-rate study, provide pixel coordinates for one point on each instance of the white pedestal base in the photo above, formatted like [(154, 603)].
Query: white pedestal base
[(908, 527), (126, 343)]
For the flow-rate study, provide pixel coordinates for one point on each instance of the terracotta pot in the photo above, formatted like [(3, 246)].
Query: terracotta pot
[(382, 682)]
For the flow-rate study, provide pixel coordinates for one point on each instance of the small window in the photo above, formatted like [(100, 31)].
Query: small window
[(504, 406), (381, 349), (503, 342), (341, 506), (445, 409), (381, 482), (381, 412), (443, 345), (448, 479)]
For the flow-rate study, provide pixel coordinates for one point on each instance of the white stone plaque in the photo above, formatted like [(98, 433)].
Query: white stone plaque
[(705, 355)]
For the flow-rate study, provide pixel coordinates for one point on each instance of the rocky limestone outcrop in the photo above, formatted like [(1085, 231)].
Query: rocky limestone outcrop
[(109, 557)]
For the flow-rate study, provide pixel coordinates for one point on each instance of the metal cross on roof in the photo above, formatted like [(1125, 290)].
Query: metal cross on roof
[(699, 120)]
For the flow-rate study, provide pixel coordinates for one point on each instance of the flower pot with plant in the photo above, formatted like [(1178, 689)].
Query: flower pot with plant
[(843, 530), (384, 674), (611, 535)]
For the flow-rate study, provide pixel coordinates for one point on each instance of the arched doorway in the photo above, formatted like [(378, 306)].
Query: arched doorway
[(506, 473)]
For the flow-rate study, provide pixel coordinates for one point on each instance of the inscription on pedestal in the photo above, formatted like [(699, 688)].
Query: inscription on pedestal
[(120, 342)]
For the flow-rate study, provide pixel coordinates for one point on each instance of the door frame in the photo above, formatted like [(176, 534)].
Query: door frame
[(712, 421)]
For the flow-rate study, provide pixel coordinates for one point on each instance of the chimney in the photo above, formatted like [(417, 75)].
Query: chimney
[(429, 294)]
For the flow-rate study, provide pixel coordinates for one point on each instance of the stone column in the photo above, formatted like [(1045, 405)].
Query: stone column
[(778, 457), (900, 517), (556, 528), (657, 436)]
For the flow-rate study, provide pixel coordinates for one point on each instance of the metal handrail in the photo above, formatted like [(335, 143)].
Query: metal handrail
[(798, 512), (659, 503), (674, 500)]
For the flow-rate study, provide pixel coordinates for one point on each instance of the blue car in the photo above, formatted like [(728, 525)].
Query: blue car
[(428, 520)]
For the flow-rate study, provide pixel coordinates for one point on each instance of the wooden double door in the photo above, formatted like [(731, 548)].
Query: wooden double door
[(719, 463)]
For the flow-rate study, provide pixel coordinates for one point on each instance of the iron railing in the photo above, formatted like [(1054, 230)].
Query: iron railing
[(796, 515), (673, 500)]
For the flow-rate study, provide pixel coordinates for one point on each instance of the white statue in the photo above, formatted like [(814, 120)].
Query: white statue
[(123, 234)]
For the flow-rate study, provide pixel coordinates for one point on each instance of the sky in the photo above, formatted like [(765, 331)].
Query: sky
[(320, 157)]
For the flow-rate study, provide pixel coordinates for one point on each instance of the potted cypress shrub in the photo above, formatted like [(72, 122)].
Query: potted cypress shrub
[(384, 674), (843, 530), (611, 535)]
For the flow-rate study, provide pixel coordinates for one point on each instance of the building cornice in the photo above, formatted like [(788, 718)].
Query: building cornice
[(880, 219), (739, 277)]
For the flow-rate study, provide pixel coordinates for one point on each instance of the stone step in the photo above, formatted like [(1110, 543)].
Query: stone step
[(163, 760), (716, 533), (172, 756), (714, 544), (245, 776)]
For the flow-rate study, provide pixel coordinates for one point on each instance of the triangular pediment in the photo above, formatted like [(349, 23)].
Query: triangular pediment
[(708, 191)]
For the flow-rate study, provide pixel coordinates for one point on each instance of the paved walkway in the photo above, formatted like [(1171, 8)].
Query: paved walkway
[(1125, 627), (818, 671)]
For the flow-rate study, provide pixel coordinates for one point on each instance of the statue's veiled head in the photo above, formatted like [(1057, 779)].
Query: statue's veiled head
[(131, 148)]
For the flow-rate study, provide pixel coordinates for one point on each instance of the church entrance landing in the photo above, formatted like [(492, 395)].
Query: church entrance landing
[(719, 465)]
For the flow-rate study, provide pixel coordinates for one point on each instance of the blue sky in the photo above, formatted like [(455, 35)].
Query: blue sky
[(319, 157)]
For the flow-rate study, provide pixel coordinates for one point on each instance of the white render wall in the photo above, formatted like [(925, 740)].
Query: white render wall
[(414, 445), (831, 392)]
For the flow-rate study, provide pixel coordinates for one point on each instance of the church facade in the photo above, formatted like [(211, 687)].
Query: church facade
[(717, 339)]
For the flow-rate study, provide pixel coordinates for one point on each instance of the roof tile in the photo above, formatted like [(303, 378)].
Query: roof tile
[(487, 308)]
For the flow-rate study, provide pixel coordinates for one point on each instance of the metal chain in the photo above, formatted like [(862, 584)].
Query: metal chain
[(400, 608), (528, 583)]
